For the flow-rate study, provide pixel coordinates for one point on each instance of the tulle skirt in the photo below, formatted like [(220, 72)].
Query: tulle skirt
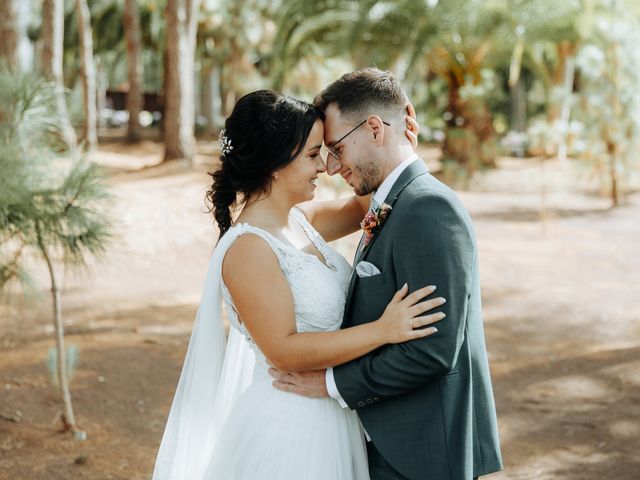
[(274, 435)]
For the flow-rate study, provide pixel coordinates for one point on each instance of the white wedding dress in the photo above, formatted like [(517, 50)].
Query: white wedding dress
[(244, 428)]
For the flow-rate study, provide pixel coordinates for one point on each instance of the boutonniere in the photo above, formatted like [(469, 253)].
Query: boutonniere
[(373, 222)]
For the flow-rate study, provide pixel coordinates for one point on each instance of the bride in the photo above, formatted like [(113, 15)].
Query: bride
[(284, 290)]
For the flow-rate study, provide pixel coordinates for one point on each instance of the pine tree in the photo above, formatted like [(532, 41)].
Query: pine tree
[(52, 206)]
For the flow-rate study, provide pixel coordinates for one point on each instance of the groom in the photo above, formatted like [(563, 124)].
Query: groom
[(427, 405)]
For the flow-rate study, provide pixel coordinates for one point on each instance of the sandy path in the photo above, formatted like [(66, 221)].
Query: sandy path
[(561, 310)]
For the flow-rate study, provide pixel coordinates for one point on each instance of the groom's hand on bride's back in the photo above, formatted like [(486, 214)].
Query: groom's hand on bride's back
[(308, 384)]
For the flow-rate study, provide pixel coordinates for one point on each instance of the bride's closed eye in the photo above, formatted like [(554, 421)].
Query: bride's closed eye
[(314, 153)]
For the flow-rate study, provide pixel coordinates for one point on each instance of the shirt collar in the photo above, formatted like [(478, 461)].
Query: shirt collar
[(385, 187)]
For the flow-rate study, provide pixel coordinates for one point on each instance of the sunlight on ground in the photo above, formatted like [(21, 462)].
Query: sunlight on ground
[(562, 330)]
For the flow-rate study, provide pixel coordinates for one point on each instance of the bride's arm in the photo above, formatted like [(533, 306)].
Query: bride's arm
[(335, 219), (264, 303)]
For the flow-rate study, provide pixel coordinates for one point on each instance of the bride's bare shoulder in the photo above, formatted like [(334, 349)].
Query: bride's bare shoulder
[(249, 257)]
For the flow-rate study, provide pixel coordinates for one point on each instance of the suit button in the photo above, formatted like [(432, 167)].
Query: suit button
[(369, 401), (360, 404)]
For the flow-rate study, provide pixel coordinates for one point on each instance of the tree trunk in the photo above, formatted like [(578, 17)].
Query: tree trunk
[(518, 103), (52, 48), (88, 74), (612, 146), (227, 95), (470, 136), (58, 324), (565, 109), (558, 80), (9, 35), (211, 98), (134, 95), (613, 175), (101, 91), (179, 82)]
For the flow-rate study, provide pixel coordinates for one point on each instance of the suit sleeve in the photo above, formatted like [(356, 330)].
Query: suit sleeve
[(433, 245)]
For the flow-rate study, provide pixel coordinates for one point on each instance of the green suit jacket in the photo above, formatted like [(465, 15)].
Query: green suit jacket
[(427, 404)]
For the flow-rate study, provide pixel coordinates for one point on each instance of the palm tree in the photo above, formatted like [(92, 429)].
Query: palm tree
[(88, 74), (182, 16), (547, 35), (116, 62), (609, 99), (454, 40), (52, 37), (311, 29), (134, 95), (9, 32), (234, 42)]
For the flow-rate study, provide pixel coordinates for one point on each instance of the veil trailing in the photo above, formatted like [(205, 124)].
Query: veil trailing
[(215, 372)]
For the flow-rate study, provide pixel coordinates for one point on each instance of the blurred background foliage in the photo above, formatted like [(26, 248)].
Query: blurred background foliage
[(549, 78)]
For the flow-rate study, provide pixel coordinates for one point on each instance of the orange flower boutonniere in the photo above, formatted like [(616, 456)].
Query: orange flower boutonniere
[(373, 222)]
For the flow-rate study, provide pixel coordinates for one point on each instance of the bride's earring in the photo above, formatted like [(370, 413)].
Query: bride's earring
[(275, 175)]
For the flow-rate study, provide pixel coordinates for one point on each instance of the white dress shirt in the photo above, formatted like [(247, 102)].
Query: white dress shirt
[(379, 197)]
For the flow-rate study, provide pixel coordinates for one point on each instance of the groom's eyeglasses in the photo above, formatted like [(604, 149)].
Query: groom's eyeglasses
[(331, 149)]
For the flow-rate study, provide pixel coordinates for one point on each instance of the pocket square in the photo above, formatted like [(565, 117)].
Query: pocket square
[(366, 269)]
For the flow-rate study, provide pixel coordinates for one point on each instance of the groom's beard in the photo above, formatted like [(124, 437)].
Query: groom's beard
[(368, 175)]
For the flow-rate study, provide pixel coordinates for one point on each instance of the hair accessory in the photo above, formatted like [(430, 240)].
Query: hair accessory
[(225, 142)]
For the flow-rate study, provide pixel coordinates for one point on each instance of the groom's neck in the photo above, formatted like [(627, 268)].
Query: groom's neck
[(395, 157)]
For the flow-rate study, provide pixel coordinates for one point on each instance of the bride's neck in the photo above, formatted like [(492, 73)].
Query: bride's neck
[(270, 212)]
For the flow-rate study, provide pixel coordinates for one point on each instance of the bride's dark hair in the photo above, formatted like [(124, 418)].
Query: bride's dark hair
[(266, 131)]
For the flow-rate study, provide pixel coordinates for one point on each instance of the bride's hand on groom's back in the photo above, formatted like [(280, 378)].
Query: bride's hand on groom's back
[(402, 320), (412, 126)]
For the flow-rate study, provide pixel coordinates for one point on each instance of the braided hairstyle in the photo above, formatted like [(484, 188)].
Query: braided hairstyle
[(266, 131)]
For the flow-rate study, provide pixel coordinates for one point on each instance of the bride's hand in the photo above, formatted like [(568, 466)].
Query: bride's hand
[(412, 126), (402, 320)]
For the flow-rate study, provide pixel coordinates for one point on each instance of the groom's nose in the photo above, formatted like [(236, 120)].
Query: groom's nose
[(333, 165)]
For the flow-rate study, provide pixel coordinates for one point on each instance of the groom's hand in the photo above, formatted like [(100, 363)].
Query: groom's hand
[(308, 384)]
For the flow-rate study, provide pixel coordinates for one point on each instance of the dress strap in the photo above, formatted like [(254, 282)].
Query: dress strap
[(273, 242), (314, 236), (311, 232), (303, 222)]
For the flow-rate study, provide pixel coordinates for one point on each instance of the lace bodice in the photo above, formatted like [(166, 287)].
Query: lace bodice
[(319, 289), (226, 416)]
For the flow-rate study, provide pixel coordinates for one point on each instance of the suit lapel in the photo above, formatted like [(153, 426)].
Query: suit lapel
[(414, 170)]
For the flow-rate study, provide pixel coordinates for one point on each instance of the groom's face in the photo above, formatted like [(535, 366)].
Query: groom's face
[(350, 157)]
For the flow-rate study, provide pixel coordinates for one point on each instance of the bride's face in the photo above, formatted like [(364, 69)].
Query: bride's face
[(299, 178)]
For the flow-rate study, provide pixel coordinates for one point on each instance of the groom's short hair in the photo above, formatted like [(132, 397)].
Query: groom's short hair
[(364, 92)]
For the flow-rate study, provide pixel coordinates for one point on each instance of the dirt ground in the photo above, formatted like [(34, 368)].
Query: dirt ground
[(560, 273)]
